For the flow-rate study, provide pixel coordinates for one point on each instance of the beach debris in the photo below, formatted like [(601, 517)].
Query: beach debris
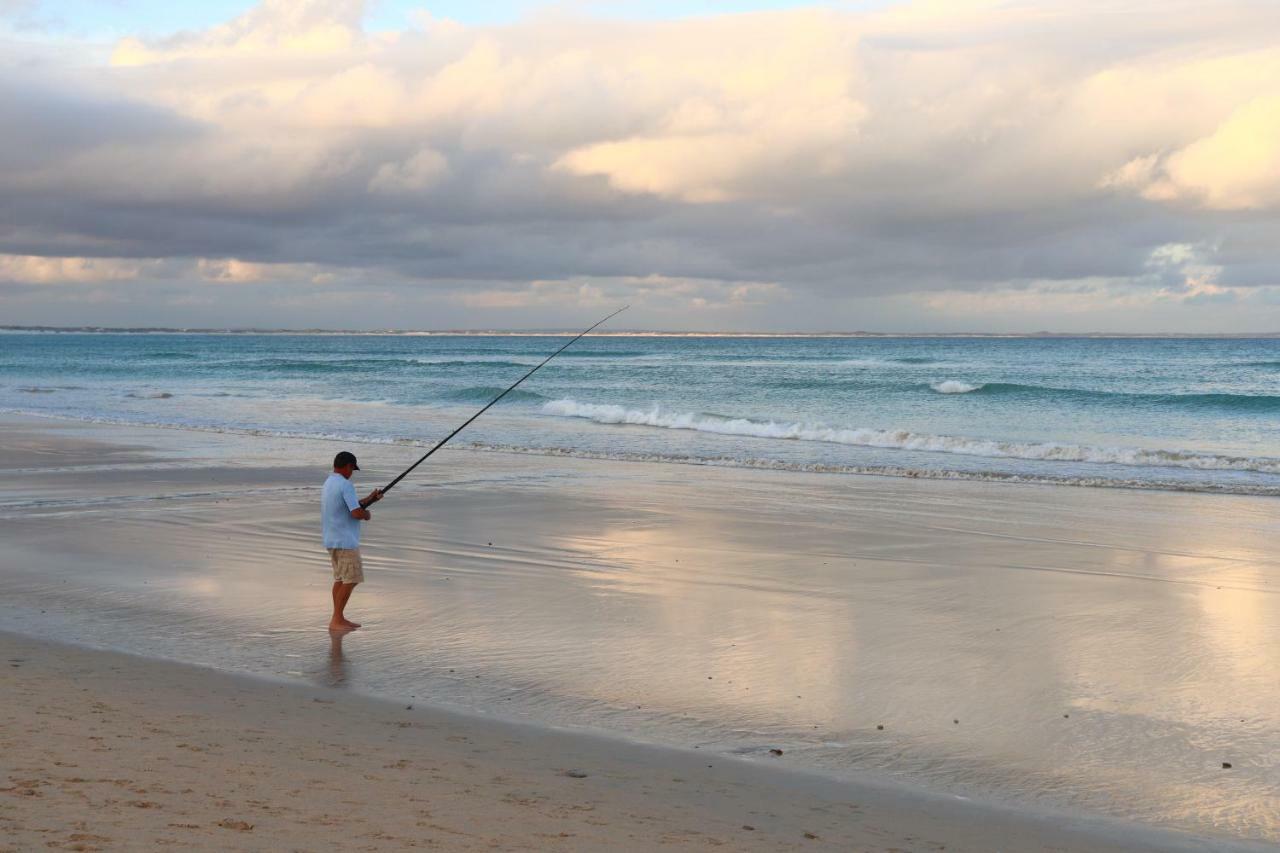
[(1226, 765), (775, 751), (811, 836), (408, 707), (748, 827), (228, 823), (957, 722), (1066, 716), (879, 728), (575, 774)]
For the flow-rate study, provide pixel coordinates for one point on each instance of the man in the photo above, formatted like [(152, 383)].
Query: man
[(341, 513)]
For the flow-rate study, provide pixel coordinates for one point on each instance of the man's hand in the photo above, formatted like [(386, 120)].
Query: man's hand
[(371, 498)]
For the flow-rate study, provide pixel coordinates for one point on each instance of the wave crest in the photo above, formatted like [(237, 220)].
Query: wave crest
[(655, 416), (952, 386)]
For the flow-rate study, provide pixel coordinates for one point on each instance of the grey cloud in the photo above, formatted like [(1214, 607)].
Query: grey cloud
[(956, 159)]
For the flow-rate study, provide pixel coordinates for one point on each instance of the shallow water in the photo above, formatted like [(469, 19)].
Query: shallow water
[(1101, 650)]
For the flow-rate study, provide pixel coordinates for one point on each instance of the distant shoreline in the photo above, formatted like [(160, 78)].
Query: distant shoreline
[(630, 333)]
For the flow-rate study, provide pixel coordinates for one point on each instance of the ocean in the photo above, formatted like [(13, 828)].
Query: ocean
[(1181, 414)]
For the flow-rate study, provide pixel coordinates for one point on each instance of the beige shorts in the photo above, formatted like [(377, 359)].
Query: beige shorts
[(347, 566)]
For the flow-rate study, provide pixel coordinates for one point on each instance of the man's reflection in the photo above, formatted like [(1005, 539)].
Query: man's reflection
[(337, 673)]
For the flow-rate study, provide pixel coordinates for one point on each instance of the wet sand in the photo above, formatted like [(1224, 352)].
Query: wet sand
[(104, 751), (1060, 657)]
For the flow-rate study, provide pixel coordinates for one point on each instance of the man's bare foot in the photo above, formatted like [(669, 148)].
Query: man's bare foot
[(342, 626), (351, 625)]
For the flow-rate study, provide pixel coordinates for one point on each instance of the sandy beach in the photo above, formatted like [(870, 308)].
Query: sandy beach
[(105, 751), (956, 528), (943, 665)]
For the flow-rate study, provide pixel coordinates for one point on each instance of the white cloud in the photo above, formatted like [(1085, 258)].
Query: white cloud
[(275, 29), (1237, 167), (960, 105)]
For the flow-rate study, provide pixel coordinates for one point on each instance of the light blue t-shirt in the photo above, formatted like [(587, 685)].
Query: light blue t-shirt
[(336, 502)]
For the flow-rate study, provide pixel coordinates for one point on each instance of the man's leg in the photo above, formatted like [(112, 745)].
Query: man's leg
[(341, 594)]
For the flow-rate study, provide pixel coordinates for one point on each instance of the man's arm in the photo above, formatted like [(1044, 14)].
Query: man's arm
[(355, 505), (361, 512)]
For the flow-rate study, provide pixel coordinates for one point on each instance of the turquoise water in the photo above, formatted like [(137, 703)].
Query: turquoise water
[(1191, 414)]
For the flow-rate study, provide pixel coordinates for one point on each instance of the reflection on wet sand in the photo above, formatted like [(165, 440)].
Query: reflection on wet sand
[(336, 672)]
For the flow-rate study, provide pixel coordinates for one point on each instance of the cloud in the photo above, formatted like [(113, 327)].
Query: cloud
[(656, 294), (797, 158), (1237, 167), (294, 29), (419, 172), (34, 269)]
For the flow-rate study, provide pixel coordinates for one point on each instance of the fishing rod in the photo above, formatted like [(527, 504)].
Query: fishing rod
[(445, 440)]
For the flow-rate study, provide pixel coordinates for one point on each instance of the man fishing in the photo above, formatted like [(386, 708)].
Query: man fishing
[(341, 513)]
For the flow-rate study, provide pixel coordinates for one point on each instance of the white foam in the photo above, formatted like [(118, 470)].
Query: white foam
[(655, 416), (952, 386), (713, 461)]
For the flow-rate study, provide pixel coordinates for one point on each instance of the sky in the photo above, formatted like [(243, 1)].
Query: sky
[(969, 165)]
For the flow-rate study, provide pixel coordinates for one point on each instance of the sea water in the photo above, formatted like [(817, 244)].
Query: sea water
[(1184, 414)]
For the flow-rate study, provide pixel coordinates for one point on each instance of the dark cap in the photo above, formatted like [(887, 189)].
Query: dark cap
[(345, 458)]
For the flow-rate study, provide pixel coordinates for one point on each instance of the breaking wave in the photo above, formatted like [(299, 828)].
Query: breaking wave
[(656, 416), (712, 461), (951, 386)]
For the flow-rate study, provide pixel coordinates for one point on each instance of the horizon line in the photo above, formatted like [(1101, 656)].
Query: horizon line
[(656, 333)]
